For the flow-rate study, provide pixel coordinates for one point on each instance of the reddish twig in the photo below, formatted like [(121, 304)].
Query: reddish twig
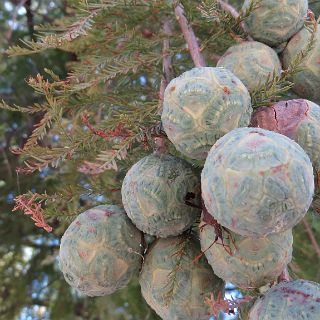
[(32, 208), (189, 36), (311, 236), (219, 231), (166, 62), (216, 305), (119, 131), (91, 168)]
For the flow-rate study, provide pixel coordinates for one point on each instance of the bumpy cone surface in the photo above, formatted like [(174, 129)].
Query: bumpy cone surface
[(256, 182), (252, 62), (201, 106), (154, 194), (251, 262), (297, 119), (99, 251), (296, 300), (307, 81), (173, 285), (275, 21)]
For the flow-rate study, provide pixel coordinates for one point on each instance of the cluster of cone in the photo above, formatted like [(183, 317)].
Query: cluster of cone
[(256, 184)]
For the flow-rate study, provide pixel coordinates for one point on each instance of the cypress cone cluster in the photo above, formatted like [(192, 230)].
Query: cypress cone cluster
[(257, 183)]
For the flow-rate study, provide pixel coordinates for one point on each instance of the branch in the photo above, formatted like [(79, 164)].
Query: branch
[(166, 62), (189, 36), (311, 236), (30, 21), (233, 11), (179, 259), (229, 8)]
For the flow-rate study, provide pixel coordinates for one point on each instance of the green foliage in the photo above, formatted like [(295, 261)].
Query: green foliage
[(111, 56), (31, 284), (181, 251), (225, 29)]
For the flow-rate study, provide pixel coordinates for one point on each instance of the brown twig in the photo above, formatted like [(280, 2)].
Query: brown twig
[(229, 8), (233, 11), (166, 62), (311, 236), (189, 36), (30, 21)]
